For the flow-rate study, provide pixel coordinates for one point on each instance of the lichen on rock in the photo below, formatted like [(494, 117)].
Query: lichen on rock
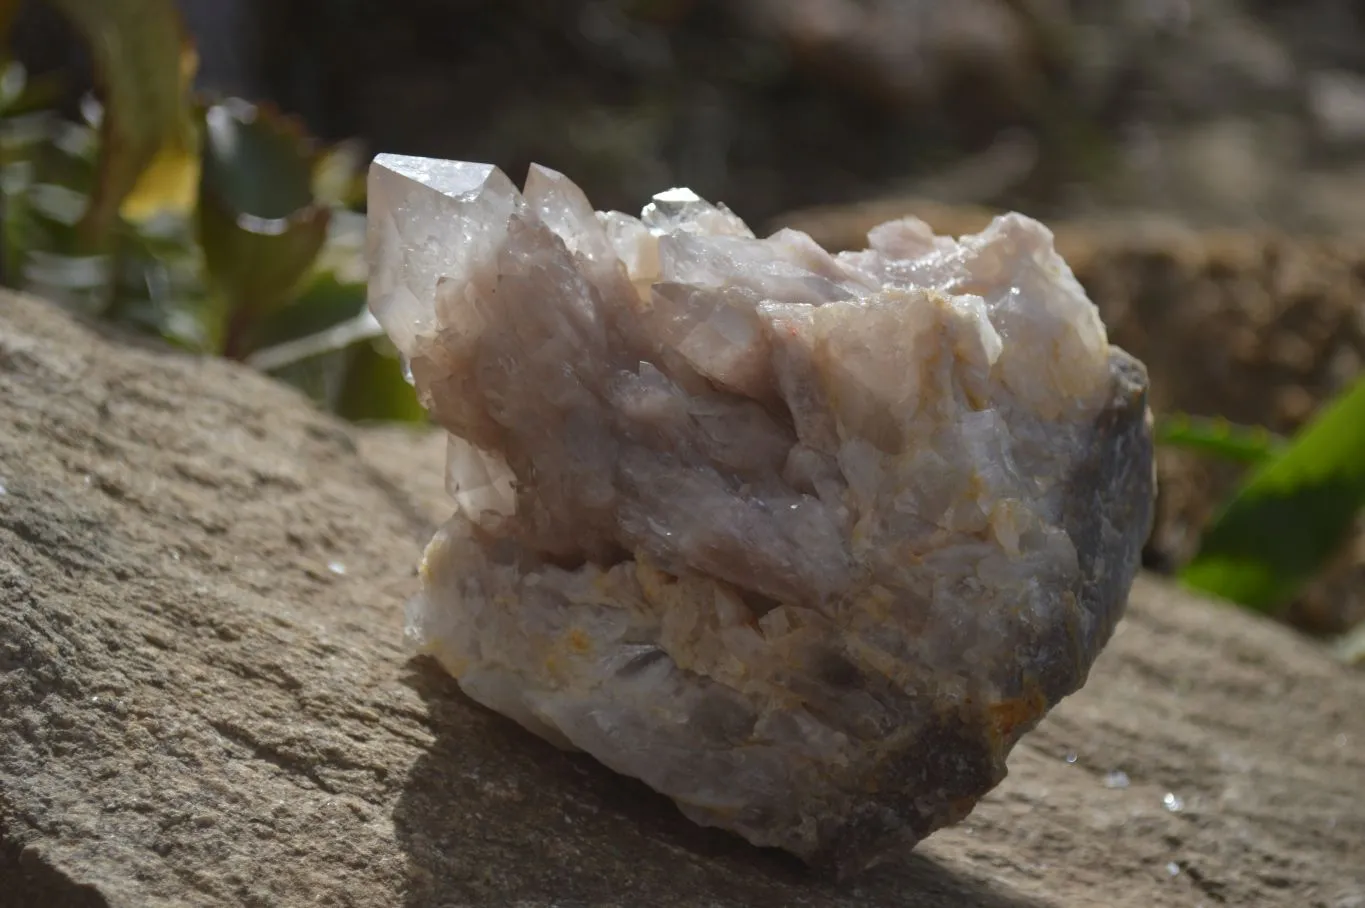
[(804, 541)]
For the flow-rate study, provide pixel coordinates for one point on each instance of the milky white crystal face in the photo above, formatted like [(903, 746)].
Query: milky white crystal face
[(804, 541)]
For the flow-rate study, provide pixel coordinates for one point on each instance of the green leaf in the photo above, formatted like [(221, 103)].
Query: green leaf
[(144, 65), (1291, 516), (375, 388), (257, 161), (49, 169), (259, 224), (161, 288), (1219, 438), (326, 302), (46, 255), (319, 344)]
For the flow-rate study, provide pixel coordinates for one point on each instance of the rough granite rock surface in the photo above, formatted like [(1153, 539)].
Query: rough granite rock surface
[(805, 542), (205, 700)]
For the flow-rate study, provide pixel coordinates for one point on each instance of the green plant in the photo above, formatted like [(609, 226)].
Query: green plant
[(214, 223), (1250, 445), (1297, 506)]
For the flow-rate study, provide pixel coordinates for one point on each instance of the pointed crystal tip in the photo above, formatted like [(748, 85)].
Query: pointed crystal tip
[(451, 178), (429, 220)]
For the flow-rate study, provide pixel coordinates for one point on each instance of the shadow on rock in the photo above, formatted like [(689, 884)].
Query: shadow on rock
[(492, 815), (26, 879)]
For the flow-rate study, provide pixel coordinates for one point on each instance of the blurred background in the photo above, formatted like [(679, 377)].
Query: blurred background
[(200, 178), (1221, 111)]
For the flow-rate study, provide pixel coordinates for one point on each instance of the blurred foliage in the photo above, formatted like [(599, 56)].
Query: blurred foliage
[(1296, 509), (144, 65), (213, 223), (1217, 437)]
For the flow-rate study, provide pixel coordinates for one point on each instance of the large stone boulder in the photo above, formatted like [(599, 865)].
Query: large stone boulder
[(205, 699)]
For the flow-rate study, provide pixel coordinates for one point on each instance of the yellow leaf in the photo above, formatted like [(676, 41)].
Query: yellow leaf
[(169, 185)]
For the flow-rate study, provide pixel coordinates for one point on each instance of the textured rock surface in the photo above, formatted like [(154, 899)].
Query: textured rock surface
[(805, 543), (196, 710)]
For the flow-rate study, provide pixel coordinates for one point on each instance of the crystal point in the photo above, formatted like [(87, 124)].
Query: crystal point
[(429, 219), (805, 542)]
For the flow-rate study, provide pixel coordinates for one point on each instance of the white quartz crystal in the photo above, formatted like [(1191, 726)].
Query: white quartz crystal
[(804, 541)]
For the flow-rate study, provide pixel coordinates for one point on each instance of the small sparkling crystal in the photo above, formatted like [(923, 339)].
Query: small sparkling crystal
[(804, 541)]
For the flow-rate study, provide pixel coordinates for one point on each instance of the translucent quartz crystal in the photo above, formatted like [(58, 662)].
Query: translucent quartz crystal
[(804, 541)]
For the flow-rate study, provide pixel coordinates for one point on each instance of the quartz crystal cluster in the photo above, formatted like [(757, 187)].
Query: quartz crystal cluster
[(806, 542)]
